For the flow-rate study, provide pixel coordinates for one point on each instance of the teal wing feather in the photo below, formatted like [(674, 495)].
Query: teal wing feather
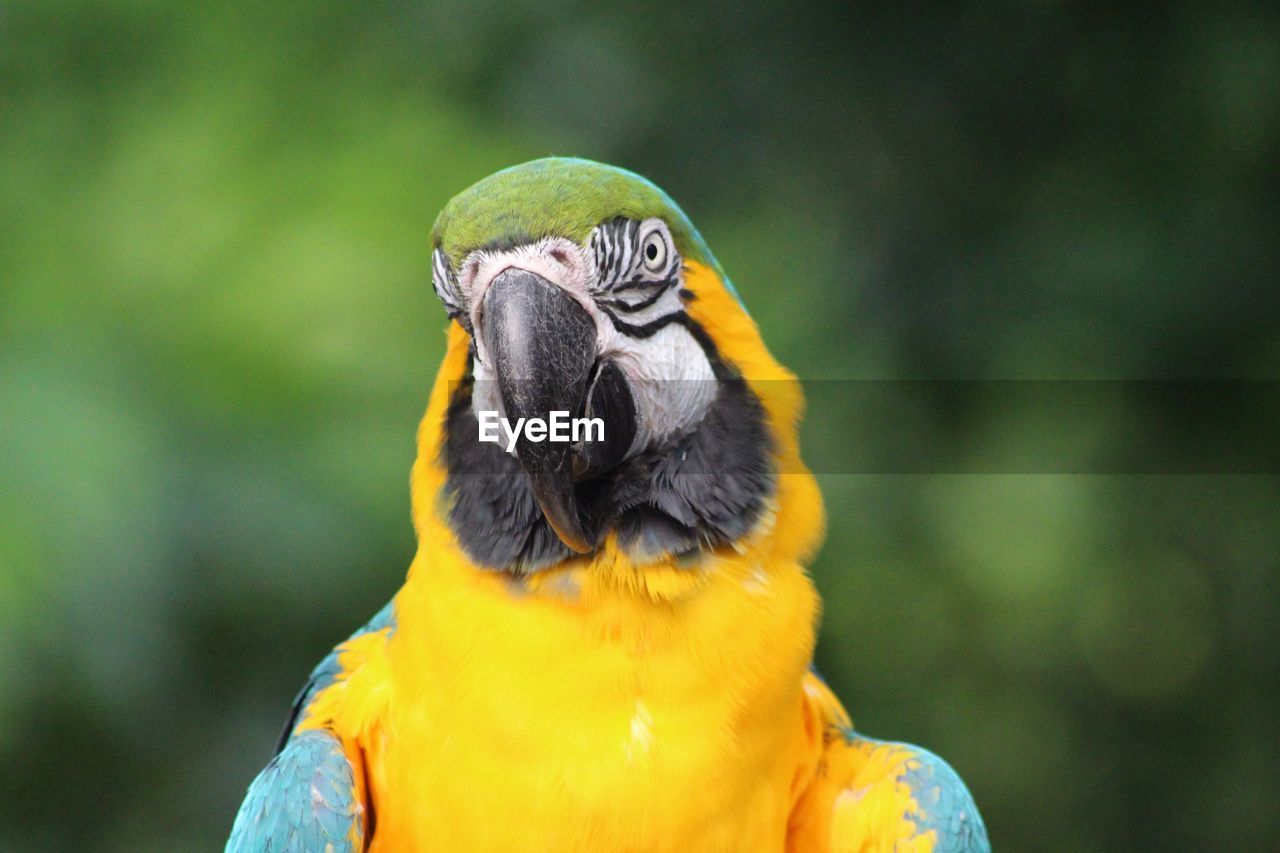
[(943, 803), (305, 799), (855, 767)]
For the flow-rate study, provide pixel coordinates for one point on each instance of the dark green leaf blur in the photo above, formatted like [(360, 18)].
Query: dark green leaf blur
[(217, 334)]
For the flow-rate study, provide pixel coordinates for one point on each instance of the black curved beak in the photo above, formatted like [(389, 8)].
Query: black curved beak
[(543, 345)]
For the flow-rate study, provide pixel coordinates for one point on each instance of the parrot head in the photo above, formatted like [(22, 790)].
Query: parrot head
[(604, 388)]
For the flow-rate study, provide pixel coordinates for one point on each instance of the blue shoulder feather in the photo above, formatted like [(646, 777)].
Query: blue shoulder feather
[(305, 799), (943, 802)]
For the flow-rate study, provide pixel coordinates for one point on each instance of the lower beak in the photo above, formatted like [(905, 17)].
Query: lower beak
[(542, 344)]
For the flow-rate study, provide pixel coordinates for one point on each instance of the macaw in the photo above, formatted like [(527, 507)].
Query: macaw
[(605, 640)]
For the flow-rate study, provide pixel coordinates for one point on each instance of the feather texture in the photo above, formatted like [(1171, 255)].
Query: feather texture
[(303, 801)]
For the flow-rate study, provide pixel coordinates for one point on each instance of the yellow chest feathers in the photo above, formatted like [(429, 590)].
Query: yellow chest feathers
[(583, 709)]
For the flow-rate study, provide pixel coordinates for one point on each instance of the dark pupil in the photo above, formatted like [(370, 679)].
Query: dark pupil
[(651, 251)]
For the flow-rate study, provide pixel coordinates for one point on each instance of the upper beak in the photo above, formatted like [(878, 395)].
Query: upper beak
[(542, 345)]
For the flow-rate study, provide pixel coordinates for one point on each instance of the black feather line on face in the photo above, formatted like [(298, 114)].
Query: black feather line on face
[(660, 289), (644, 330), (638, 283), (445, 285)]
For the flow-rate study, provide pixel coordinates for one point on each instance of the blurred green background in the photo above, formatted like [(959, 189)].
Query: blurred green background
[(217, 335)]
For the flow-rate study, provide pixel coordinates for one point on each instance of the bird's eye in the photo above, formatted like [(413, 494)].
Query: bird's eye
[(654, 252)]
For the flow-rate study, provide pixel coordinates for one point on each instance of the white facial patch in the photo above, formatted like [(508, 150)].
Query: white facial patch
[(670, 380)]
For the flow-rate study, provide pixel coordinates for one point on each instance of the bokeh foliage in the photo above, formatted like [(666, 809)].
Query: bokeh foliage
[(217, 334)]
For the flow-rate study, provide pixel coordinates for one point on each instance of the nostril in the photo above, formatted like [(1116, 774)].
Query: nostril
[(560, 256)]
